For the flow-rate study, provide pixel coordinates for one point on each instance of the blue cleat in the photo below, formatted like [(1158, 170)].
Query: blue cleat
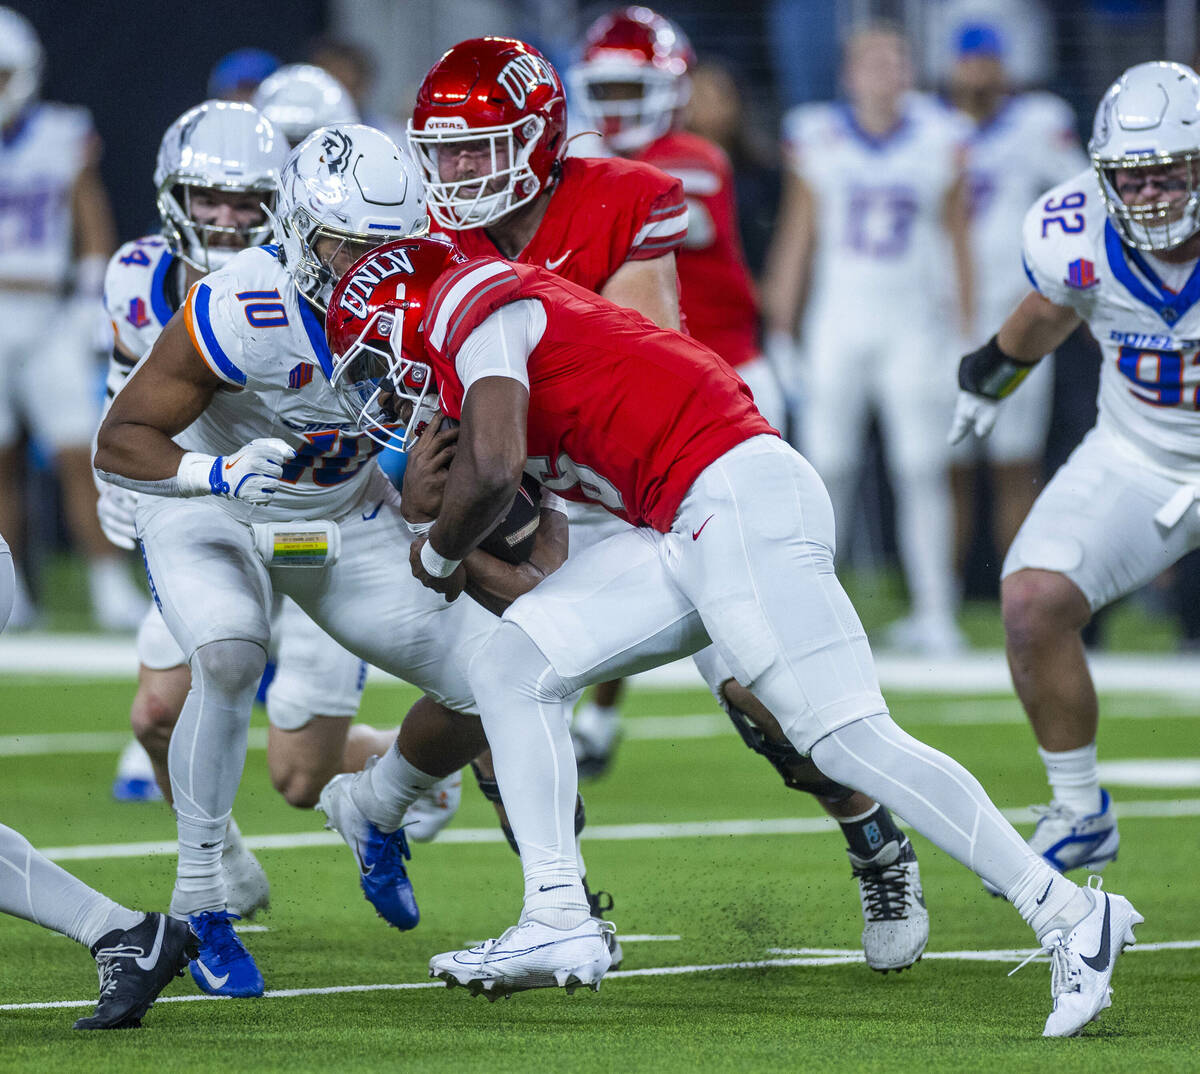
[(380, 855), (223, 966), (1075, 841)]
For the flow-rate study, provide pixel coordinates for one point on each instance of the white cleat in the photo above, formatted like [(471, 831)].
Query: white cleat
[(1081, 964), (246, 885), (595, 734), (530, 955), (925, 635), (895, 921), (430, 813)]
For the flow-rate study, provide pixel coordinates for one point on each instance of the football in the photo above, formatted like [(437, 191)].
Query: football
[(513, 538)]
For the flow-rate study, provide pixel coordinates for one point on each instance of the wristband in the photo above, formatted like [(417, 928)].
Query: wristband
[(195, 474), (418, 529), (436, 564), (990, 372)]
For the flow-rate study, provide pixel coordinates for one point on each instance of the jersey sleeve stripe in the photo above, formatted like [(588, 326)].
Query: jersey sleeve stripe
[(199, 326), (511, 278), (667, 210), (672, 228), (456, 293)]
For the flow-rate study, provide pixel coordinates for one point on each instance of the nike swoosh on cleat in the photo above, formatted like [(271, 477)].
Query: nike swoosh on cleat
[(553, 887), (149, 961), (1099, 961), (1042, 897), (206, 973), (362, 861), (696, 533)]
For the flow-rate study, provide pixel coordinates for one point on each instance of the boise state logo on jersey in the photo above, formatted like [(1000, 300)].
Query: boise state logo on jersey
[(1081, 274)]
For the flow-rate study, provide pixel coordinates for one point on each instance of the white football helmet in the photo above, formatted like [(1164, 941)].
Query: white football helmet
[(218, 145), (21, 56), (345, 189), (1150, 118), (299, 98)]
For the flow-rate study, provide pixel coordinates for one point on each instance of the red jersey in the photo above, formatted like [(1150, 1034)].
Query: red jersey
[(716, 292), (621, 412), (602, 212)]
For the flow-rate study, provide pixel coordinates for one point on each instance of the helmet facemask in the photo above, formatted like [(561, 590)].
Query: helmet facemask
[(631, 105), (317, 254), (1160, 225), (380, 388), (479, 200), (205, 246)]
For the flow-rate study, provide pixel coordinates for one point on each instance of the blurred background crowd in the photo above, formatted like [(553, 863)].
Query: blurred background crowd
[(906, 505)]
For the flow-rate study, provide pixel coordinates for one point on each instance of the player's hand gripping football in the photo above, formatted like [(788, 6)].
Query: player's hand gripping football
[(451, 586), (425, 475), (972, 413), (116, 507), (251, 474)]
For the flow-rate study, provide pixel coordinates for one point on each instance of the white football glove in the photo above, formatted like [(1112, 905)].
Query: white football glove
[(250, 475), (972, 414), (116, 507)]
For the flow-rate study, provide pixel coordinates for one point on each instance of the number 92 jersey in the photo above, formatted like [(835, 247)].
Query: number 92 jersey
[(1148, 329), (262, 338)]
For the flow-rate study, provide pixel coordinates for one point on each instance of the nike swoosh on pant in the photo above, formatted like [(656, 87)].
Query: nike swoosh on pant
[(149, 961), (1099, 961), (206, 973)]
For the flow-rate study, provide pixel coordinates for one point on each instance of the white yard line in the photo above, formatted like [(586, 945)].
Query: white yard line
[(1129, 810), (90, 656), (811, 956)]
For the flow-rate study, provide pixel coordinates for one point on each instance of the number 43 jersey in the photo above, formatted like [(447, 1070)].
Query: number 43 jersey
[(1144, 313), (267, 343)]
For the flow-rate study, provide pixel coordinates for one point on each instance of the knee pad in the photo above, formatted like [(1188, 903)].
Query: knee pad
[(799, 772), (232, 667)]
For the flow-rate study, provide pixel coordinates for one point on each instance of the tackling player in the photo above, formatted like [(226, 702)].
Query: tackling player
[(56, 233), (1117, 248), (274, 491), (488, 131), (873, 197), (732, 532), (217, 165)]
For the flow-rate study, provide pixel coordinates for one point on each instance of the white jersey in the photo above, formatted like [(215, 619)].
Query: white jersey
[(267, 343), (41, 156), (1149, 332), (1027, 147), (878, 203), (139, 299)]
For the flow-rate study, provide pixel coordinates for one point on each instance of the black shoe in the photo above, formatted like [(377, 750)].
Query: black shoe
[(599, 904), (135, 966)]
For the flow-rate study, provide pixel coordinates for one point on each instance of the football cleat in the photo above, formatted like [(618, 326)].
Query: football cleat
[(599, 904), (895, 921), (595, 733), (430, 813), (1081, 963), (530, 955), (135, 780), (245, 881), (380, 855), (925, 635), (1070, 840), (135, 966), (223, 966)]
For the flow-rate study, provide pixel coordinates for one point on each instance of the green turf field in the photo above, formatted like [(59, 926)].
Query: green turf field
[(728, 899)]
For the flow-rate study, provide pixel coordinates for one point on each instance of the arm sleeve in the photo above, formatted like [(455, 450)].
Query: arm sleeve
[(501, 344)]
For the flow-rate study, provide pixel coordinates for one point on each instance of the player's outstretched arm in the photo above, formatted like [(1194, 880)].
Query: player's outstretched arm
[(789, 257), (990, 374), (162, 397), (956, 218)]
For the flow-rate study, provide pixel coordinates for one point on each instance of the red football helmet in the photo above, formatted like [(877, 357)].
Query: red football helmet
[(632, 81), (376, 333), (488, 130)]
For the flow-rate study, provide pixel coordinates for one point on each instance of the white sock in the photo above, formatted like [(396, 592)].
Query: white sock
[(1047, 900), (1074, 778), (384, 790), (34, 888)]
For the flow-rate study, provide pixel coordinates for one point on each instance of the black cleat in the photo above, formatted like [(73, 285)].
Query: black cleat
[(135, 966), (599, 904)]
